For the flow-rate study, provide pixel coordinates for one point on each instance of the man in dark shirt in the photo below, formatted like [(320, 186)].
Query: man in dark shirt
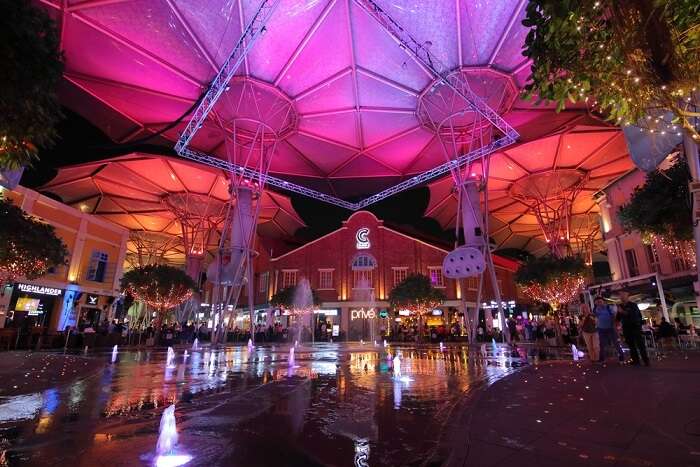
[(631, 318)]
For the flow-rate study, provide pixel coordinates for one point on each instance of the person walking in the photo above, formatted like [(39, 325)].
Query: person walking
[(605, 325), (590, 333), (631, 318)]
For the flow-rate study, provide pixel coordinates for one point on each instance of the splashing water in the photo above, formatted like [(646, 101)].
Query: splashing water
[(171, 357), (397, 367), (385, 344), (167, 439), (375, 343), (250, 345), (493, 342), (290, 360), (574, 352), (167, 434), (442, 347), (195, 344), (296, 343), (362, 342), (115, 351), (85, 350), (184, 356), (212, 359)]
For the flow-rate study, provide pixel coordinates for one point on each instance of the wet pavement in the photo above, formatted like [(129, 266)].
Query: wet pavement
[(338, 404), (576, 414)]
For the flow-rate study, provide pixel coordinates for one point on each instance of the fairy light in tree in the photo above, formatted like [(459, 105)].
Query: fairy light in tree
[(20, 266), (160, 300), (557, 291)]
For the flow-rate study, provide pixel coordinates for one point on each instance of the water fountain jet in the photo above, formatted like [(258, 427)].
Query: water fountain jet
[(195, 344), (114, 353), (170, 361), (397, 367), (167, 439)]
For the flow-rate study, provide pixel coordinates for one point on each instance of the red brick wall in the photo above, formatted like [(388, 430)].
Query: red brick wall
[(390, 249)]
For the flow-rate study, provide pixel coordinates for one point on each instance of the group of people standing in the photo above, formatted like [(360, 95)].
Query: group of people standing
[(599, 330)]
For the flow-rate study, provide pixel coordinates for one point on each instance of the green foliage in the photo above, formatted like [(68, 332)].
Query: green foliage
[(162, 287), (415, 293), (284, 298), (546, 268), (28, 247), (629, 57), (662, 205), (31, 69)]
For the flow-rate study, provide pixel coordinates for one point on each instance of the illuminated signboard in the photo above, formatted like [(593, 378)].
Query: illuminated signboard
[(383, 314), (437, 312), (362, 238), (92, 299), (327, 311), (363, 314), (404, 313), (38, 289)]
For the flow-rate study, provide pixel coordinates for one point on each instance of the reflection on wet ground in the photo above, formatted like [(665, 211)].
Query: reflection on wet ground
[(338, 404)]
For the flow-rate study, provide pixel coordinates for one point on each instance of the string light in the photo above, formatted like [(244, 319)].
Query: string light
[(556, 292), (681, 249)]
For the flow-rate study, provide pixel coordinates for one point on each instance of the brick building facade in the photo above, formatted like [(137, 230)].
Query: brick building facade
[(354, 268)]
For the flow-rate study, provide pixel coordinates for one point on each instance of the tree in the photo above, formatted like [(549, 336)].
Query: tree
[(416, 294), (28, 247), (161, 287), (626, 58), (661, 211), (32, 68), (552, 280), (661, 207)]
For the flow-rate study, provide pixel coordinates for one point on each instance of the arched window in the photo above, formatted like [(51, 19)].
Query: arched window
[(363, 261), (362, 267)]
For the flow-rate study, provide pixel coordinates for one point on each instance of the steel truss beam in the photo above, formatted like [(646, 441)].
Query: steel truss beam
[(302, 190), (252, 32)]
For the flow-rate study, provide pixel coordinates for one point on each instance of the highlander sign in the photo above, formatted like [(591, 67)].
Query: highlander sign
[(38, 289)]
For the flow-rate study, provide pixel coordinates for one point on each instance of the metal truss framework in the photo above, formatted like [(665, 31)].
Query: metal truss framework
[(255, 29), (455, 81)]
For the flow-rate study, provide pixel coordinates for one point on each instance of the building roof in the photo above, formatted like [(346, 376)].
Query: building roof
[(501, 261)]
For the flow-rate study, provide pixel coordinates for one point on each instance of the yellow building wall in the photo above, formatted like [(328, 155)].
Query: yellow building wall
[(54, 215)]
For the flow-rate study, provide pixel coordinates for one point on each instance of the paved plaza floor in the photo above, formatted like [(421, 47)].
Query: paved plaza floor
[(342, 405), (578, 414)]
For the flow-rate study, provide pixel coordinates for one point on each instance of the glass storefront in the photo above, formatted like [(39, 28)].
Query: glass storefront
[(32, 305)]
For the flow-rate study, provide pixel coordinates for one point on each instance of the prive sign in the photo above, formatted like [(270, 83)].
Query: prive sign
[(363, 314)]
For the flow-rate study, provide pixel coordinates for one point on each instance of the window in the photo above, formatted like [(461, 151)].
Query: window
[(264, 279), (363, 262), (652, 258), (362, 279), (325, 278), (679, 264), (289, 278), (362, 267), (472, 283), (436, 277), (98, 266), (399, 275), (632, 266)]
